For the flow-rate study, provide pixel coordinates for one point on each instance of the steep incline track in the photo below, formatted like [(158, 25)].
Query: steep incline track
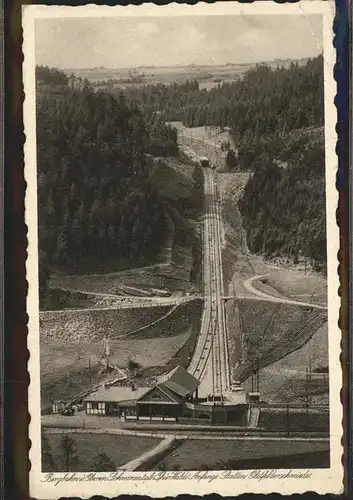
[(210, 361)]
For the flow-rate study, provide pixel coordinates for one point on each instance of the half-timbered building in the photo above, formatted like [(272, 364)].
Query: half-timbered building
[(163, 401)]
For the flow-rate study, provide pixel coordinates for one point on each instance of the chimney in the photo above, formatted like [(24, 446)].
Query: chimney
[(132, 386)]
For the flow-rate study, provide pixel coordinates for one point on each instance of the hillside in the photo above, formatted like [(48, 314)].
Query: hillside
[(92, 324), (274, 115), (264, 332), (286, 378), (283, 205), (94, 218), (179, 189), (71, 347)]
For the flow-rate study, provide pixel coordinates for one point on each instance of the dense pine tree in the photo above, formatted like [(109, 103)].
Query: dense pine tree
[(96, 203)]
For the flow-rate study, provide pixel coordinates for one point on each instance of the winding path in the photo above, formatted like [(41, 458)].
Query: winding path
[(248, 285)]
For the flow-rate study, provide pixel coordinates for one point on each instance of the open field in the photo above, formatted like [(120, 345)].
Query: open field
[(298, 286), (231, 187), (173, 179), (120, 449), (65, 365), (168, 276), (125, 77), (271, 331), (207, 76), (237, 261), (220, 454), (276, 420)]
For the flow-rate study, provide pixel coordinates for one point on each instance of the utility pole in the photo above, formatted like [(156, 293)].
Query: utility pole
[(89, 373), (287, 418), (307, 389), (252, 376), (213, 366), (258, 375)]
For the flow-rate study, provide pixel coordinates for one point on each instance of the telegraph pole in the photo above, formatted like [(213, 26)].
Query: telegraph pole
[(307, 389), (287, 418), (252, 376), (89, 373)]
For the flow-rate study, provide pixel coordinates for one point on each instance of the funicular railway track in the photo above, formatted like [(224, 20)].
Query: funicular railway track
[(211, 353)]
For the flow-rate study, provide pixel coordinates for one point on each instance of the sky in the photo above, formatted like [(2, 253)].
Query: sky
[(169, 41)]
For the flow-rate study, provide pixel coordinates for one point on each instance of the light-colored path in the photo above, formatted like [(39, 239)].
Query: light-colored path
[(149, 325), (132, 304), (152, 454), (249, 286)]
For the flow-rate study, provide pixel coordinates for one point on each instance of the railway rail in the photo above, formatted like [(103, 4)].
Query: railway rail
[(211, 351)]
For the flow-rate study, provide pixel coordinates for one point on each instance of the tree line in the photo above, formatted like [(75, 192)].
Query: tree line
[(276, 118), (96, 202), (262, 101), (283, 205)]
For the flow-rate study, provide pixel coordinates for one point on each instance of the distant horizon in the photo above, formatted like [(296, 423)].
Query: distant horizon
[(180, 65)]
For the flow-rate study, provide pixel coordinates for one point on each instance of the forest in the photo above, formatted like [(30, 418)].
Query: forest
[(276, 118), (262, 101), (96, 202), (283, 205), (97, 205)]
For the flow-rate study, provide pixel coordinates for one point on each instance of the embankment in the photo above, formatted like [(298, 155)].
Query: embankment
[(92, 324), (267, 332), (235, 255), (177, 267), (68, 367)]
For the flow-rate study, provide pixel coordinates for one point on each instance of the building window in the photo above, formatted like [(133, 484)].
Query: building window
[(95, 408)]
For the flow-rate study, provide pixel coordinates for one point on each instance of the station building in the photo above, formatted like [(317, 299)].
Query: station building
[(163, 401), (174, 398)]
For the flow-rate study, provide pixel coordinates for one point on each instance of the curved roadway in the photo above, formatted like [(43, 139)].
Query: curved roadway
[(248, 285)]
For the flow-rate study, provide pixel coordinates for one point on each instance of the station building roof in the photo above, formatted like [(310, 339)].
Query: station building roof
[(176, 385), (117, 394), (179, 381)]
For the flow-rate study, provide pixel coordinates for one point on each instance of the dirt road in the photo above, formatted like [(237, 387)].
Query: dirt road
[(249, 286)]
